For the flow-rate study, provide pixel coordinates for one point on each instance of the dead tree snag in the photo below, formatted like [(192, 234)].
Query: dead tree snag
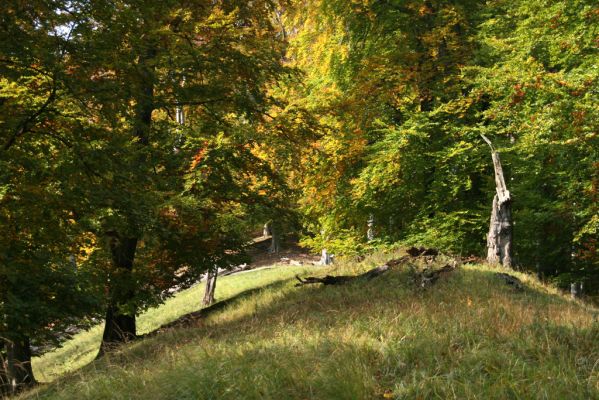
[(499, 239)]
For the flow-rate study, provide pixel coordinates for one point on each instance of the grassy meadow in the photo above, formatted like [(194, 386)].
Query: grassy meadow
[(469, 336)]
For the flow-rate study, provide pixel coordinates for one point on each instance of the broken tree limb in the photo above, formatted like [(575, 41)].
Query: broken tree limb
[(421, 251), (499, 238), (342, 279), (502, 193), (429, 277), (511, 280)]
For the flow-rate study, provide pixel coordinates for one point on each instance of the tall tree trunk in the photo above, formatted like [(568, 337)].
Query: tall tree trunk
[(499, 239), (17, 373), (370, 231), (210, 287), (266, 230), (4, 388), (120, 315), (274, 239), (120, 325), (325, 258)]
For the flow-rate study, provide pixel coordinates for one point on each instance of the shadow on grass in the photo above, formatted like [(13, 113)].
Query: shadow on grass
[(429, 366), (465, 294), (362, 295), (468, 334), (191, 318), (186, 320)]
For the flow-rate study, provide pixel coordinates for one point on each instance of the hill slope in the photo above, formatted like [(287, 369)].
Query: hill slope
[(467, 336)]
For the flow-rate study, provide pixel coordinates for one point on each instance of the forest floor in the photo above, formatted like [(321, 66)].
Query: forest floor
[(468, 335)]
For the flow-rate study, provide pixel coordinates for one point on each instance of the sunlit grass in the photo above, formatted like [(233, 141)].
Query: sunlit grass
[(83, 348), (468, 336)]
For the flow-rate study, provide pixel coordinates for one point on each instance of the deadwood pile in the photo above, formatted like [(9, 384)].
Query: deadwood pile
[(421, 277)]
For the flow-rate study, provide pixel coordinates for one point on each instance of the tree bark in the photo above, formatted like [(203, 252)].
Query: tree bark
[(145, 97), (210, 287), (120, 315), (370, 231), (576, 290), (499, 239), (325, 258), (274, 240), (343, 279), (4, 388), (17, 374), (120, 325), (266, 230)]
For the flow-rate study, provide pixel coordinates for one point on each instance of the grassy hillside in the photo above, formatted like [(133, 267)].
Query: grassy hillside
[(83, 348), (468, 336)]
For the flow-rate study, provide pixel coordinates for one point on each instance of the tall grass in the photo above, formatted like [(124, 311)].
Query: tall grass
[(468, 336), (83, 348)]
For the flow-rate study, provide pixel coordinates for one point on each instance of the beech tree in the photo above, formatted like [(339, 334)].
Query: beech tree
[(397, 152), (539, 89), (402, 92), (132, 65), (126, 194), (46, 283), (142, 142)]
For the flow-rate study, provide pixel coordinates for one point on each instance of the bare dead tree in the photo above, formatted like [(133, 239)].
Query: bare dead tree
[(499, 239)]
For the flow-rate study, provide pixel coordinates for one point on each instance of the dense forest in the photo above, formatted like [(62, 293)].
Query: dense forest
[(144, 143)]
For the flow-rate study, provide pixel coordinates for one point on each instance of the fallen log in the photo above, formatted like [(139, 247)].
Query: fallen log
[(239, 268), (422, 251), (397, 261), (510, 280), (429, 277), (342, 279), (473, 260)]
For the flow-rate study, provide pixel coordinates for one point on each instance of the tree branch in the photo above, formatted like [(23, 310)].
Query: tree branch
[(29, 122)]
